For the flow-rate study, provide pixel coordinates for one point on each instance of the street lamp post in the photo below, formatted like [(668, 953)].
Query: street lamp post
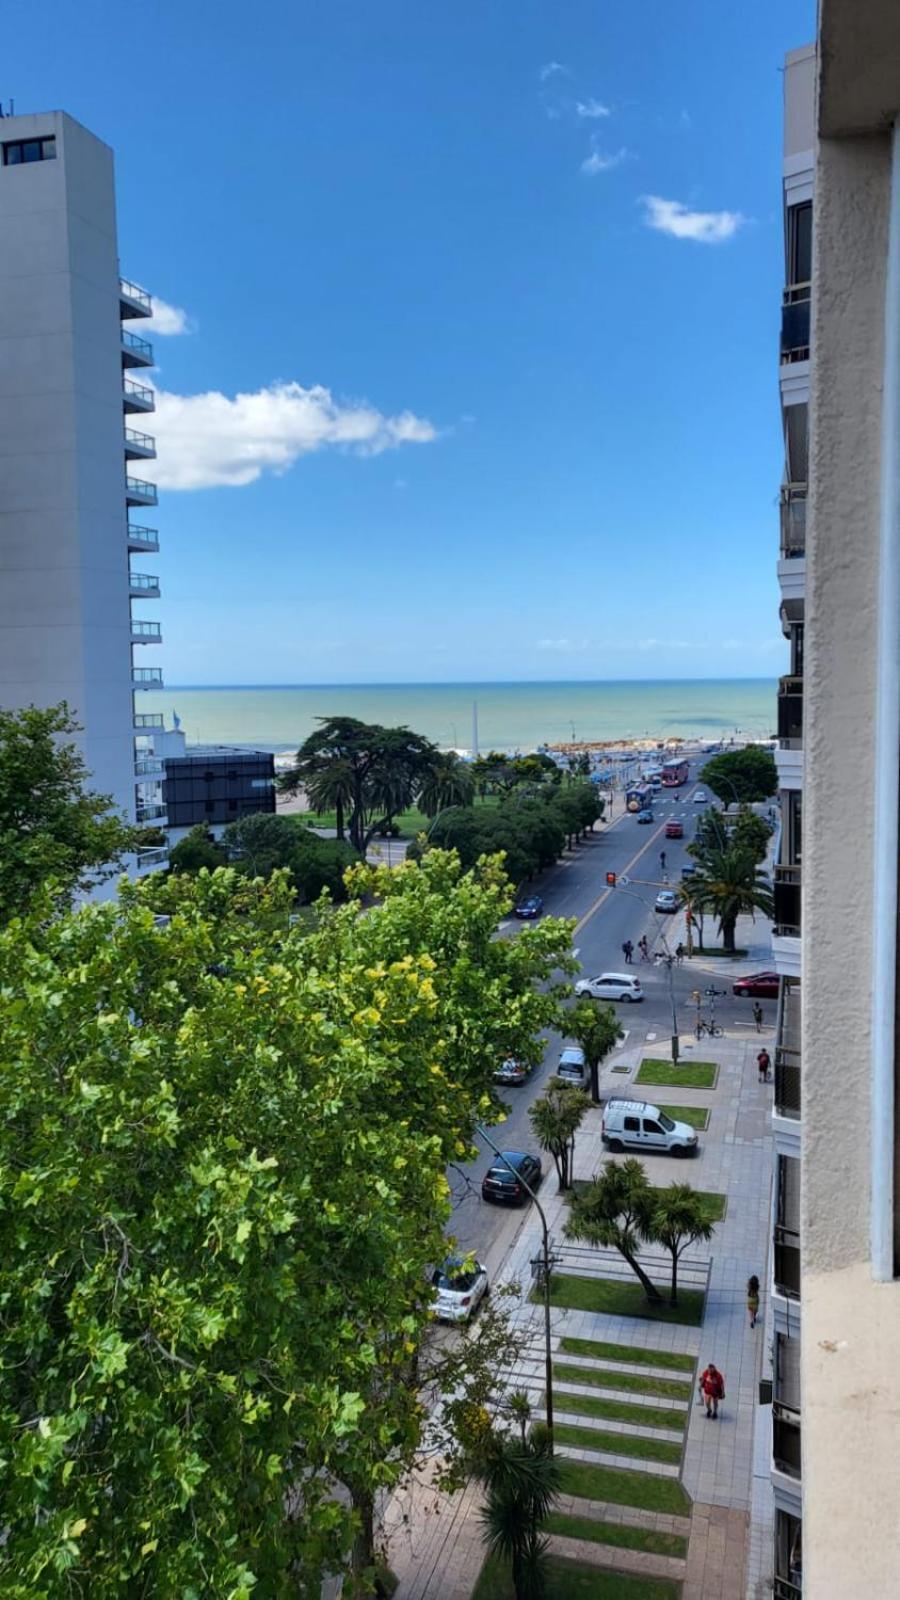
[(548, 1354)]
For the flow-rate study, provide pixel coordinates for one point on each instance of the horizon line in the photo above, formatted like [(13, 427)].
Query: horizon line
[(459, 683)]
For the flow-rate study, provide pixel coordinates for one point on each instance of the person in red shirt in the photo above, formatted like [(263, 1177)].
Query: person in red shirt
[(712, 1388)]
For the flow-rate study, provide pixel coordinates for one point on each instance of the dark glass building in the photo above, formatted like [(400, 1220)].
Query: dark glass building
[(215, 784)]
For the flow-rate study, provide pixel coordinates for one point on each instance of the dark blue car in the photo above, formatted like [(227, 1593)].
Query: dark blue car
[(528, 909), (645, 815)]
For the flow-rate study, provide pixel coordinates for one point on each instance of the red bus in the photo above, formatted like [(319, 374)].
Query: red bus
[(674, 774)]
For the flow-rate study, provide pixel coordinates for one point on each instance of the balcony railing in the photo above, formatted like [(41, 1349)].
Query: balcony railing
[(786, 1439), (787, 1082), (143, 583), (790, 713), (786, 1266), (134, 302), (793, 521), (146, 632), (152, 858), (149, 767), (147, 677), (148, 719), (136, 352), (142, 538), (795, 317), (786, 893), (151, 813), (139, 493), (787, 1589), (137, 397), (139, 446)]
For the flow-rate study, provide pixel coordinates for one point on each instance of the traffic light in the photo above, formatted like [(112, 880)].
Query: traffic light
[(611, 880)]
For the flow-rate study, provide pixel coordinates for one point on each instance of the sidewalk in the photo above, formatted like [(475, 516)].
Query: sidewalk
[(436, 1546)]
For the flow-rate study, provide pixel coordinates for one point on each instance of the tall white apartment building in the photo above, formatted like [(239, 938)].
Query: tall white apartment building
[(72, 500)]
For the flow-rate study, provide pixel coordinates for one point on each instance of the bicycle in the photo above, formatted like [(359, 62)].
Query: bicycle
[(713, 1028)]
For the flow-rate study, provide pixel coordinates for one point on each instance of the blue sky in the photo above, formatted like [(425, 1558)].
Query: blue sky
[(498, 284)]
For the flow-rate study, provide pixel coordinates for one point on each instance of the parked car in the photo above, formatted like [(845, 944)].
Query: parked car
[(674, 830), (460, 1285), (688, 871), (611, 986), (699, 797), (571, 1067), (759, 986), (528, 909), (636, 1124), (503, 1187), (645, 816), (666, 900), (511, 1071)]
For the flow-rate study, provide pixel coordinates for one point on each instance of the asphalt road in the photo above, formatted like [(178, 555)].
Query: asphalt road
[(605, 917)]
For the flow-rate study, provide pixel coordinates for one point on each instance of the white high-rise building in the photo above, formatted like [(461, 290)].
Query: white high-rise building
[(71, 500)]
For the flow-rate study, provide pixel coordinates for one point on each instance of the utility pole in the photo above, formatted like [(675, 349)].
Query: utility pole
[(474, 728)]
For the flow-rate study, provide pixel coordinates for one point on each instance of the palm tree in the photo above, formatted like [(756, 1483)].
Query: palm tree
[(556, 1118), (448, 781), (522, 1480), (730, 884), (613, 1213), (331, 789)]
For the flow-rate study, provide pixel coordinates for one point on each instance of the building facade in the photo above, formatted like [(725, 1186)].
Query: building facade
[(214, 784), (71, 452)]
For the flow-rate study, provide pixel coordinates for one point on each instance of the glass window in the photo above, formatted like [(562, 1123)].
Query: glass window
[(650, 1126), (632, 1125), (48, 149), (799, 243), (18, 150)]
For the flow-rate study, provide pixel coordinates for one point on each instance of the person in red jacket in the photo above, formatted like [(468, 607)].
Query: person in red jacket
[(712, 1388)]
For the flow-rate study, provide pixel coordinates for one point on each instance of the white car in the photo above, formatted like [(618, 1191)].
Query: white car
[(460, 1285), (571, 1067), (611, 986), (699, 797), (666, 900)]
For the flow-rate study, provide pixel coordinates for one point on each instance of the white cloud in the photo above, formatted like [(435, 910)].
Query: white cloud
[(166, 319), (591, 108), (672, 644), (704, 227), (551, 68), (208, 440), (562, 646), (603, 161)]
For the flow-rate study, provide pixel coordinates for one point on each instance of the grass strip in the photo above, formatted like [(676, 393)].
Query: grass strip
[(715, 1205), (695, 1116), (635, 1355), (668, 1074), (624, 1487), (619, 1534), (615, 1299), (590, 1405), (617, 1444), (628, 1382), (570, 1580)]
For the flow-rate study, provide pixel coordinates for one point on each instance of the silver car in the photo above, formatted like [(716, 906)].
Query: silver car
[(460, 1285)]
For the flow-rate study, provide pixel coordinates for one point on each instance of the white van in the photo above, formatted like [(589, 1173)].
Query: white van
[(637, 1125), (611, 986)]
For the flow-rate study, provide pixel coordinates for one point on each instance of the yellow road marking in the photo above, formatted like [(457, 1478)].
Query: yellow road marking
[(582, 923)]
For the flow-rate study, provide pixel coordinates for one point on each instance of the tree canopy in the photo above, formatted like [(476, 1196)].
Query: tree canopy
[(223, 1145), (556, 1118), (742, 775), (367, 772), (52, 826), (598, 1031), (729, 884), (531, 826)]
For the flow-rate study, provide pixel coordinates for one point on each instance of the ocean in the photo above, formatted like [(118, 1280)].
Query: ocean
[(511, 716)]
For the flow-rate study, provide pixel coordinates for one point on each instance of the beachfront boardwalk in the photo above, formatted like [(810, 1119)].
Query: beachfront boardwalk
[(701, 1537)]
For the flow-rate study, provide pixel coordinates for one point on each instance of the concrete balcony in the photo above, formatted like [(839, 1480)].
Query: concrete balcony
[(792, 578), (152, 812), (136, 352), (142, 539), (143, 586), (139, 446), (149, 767), (145, 632), (793, 521), (133, 302), (139, 493), (137, 397), (786, 954), (790, 713), (786, 894), (146, 677), (795, 323), (146, 721), (151, 860), (790, 768)]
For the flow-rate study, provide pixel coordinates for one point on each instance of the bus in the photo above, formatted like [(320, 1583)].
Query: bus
[(674, 774), (639, 798)]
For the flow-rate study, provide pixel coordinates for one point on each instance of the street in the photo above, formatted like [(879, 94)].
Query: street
[(606, 917)]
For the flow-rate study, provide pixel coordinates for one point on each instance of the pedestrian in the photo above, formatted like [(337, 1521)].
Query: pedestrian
[(753, 1299), (764, 1062), (712, 1385), (679, 952), (628, 952), (662, 859), (644, 947), (758, 1015)]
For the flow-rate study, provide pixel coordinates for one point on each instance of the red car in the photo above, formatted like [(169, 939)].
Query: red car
[(674, 830), (759, 986)]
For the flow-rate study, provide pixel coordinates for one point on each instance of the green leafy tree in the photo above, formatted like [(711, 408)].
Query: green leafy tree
[(522, 1480), (222, 1179), (710, 833), (614, 1213), (556, 1118), (52, 826), (596, 1028), (375, 770), (447, 782), (679, 1220), (751, 833), (742, 775), (260, 843), (729, 884), (197, 849)]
